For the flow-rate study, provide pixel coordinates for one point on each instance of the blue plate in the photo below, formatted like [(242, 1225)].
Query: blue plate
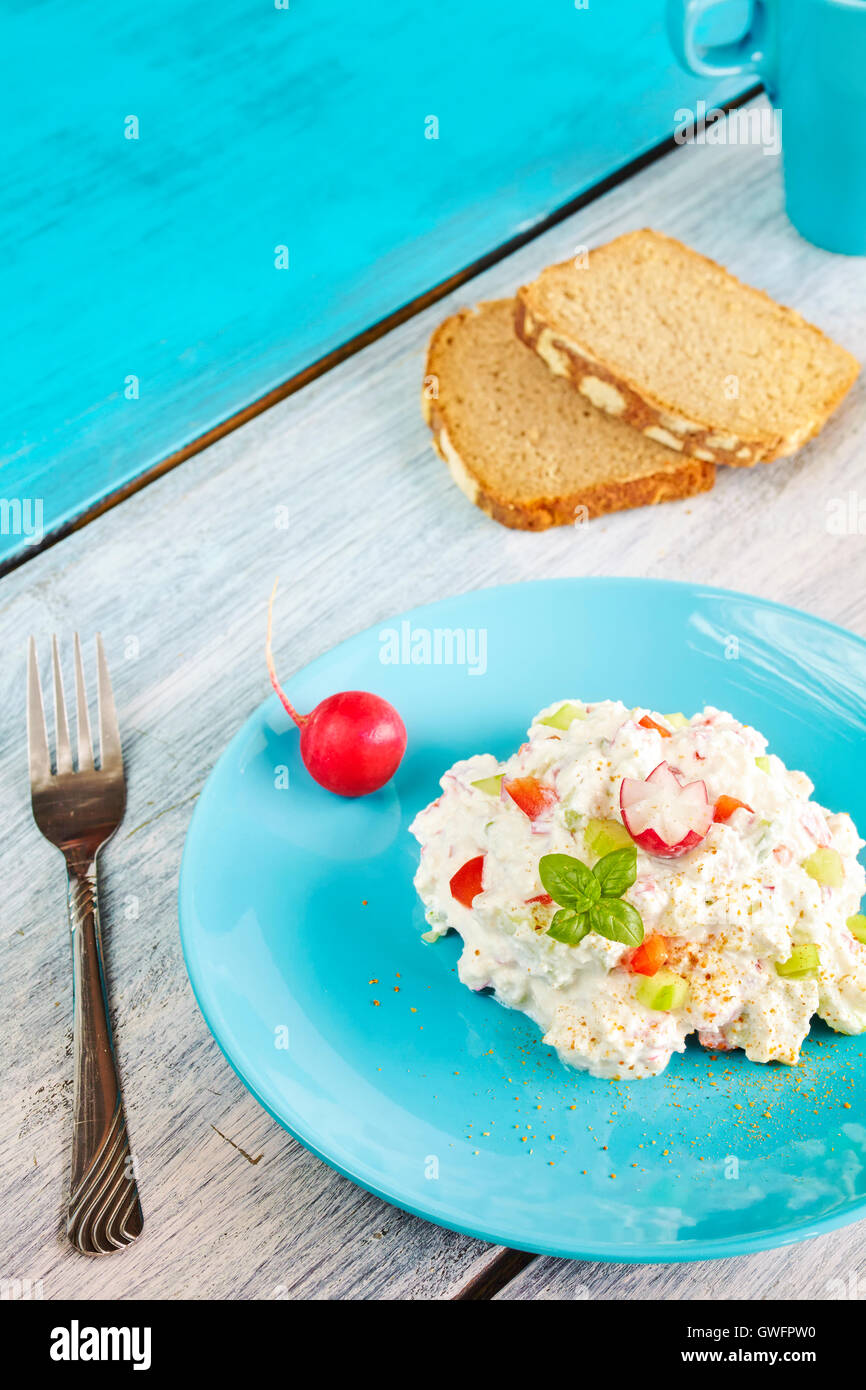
[(302, 937)]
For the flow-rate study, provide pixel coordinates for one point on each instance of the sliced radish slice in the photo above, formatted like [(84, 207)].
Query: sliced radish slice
[(714, 1040), (664, 815)]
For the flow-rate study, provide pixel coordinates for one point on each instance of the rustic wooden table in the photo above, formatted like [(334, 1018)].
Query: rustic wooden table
[(176, 578), (199, 213)]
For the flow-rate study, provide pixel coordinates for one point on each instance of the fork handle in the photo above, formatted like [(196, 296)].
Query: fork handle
[(104, 1209)]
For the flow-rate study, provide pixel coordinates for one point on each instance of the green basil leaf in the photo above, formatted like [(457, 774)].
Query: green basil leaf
[(568, 881), (568, 927), (617, 871), (617, 920)]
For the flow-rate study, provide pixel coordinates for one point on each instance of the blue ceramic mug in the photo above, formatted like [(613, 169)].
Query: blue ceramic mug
[(811, 57)]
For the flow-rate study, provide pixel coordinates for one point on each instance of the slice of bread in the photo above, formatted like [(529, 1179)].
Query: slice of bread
[(527, 448), (669, 342)]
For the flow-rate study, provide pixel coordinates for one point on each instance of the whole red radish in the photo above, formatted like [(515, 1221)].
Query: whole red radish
[(663, 814), (351, 743)]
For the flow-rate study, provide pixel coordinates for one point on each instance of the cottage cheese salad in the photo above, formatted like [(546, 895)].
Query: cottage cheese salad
[(627, 878)]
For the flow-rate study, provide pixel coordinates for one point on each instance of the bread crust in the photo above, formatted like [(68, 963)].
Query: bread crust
[(695, 475), (656, 418)]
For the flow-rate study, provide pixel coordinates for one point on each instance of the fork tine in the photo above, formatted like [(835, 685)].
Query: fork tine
[(37, 735), (64, 751), (82, 719), (110, 755)]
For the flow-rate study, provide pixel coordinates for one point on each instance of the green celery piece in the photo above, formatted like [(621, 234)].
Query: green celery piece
[(491, 785), (825, 867), (603, 836), (677, 721), (564, 716), (663, 991), (763, 763), (802, 961), (857, 927)]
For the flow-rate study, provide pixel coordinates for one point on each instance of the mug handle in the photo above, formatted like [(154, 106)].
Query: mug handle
[(748, 54)]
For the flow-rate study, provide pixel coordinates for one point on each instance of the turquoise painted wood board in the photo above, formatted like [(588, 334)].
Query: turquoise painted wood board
[(157, 157)]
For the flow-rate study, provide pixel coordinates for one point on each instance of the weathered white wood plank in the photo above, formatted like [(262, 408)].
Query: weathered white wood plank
[(828, 1268), (177, 579)]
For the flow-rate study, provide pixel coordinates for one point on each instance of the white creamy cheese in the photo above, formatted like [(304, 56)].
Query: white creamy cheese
[(730, 910)]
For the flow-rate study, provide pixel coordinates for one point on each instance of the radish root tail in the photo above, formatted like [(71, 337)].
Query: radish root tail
[(269, 656)]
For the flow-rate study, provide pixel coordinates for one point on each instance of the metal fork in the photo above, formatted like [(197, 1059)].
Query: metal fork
[(78, 811)]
